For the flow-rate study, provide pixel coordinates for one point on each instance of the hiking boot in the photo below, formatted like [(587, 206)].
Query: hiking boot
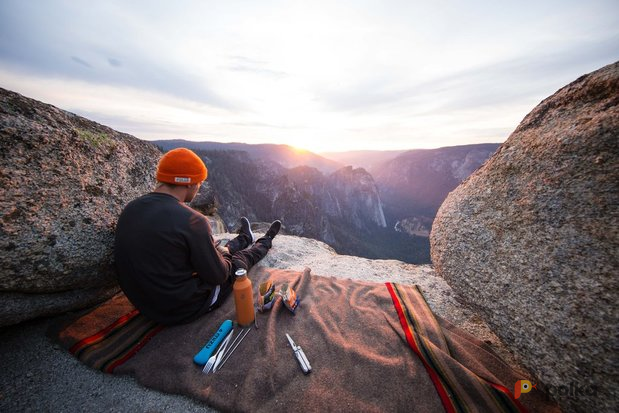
[(246, 229), (274, 229)]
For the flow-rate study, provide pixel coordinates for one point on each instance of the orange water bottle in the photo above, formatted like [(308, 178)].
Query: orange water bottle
[(243, 299)]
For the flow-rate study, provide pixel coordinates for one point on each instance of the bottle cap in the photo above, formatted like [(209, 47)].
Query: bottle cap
[(240, 272)]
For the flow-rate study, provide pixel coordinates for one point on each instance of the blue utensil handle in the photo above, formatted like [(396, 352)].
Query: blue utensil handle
[(207, 351)]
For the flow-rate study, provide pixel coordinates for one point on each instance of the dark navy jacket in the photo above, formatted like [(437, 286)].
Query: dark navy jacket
[(166, 259)]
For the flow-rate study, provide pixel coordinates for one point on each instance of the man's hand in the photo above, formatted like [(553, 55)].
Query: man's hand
[(223, 250)]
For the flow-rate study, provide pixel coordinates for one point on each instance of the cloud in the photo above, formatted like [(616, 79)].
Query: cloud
[(41, 39), (528, 77), (114, 62), (401, 71), (81, 61), (143, 129), (531, 77), (258, 67), (257, 70), (250, 124)]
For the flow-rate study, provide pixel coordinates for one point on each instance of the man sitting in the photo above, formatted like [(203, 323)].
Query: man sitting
[(168, 264)]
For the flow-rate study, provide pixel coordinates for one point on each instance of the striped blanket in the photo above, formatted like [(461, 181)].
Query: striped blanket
[(109, 335), (460, 389), (372, 347)]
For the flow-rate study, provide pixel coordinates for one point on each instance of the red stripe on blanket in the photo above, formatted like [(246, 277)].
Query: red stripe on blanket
[(135, 349), (509, 395), (442, 392), (441, 388), (103, 333)]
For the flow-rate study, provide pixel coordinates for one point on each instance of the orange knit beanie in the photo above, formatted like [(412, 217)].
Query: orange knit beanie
[(181, 166)]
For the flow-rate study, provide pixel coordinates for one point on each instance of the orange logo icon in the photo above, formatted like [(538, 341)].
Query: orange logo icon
[(523, 386)]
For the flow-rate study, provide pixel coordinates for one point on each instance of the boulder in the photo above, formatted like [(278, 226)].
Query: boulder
[(531, 240), (65, 180)]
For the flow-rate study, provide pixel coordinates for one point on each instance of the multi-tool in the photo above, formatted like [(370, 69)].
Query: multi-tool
[(300, 355)]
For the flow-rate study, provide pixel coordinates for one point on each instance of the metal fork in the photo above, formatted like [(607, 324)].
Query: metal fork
[(237, 340), (222, 347)]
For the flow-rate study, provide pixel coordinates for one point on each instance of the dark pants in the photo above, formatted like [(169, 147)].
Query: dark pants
[(244, 256)]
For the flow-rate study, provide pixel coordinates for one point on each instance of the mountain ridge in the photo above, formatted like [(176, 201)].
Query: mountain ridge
[(362, 158), (340, 208), (286, 155), (414, 184), (408, 189)]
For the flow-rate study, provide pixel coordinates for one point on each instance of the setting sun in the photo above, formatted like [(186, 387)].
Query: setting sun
[(325, 76)]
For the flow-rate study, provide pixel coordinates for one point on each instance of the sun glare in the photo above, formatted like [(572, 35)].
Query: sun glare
[(325, 77)]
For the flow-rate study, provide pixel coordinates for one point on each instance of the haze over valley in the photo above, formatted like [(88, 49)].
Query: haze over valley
[(382, 210)]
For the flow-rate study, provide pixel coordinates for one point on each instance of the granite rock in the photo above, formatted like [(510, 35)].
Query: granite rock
[(531, 241), (65, 180)]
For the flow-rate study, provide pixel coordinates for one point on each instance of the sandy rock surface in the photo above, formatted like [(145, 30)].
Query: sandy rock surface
[(298, 253), (37, 375)]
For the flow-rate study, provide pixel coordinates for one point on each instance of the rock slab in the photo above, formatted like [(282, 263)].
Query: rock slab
[(65, 180), (531, 240)]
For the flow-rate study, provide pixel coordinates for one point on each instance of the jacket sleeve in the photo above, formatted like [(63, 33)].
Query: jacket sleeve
[(212, 266)]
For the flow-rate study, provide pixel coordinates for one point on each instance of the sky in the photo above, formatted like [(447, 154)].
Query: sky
[(319, 75)]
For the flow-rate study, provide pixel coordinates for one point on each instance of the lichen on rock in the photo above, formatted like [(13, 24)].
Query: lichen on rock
[(65, 180)]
